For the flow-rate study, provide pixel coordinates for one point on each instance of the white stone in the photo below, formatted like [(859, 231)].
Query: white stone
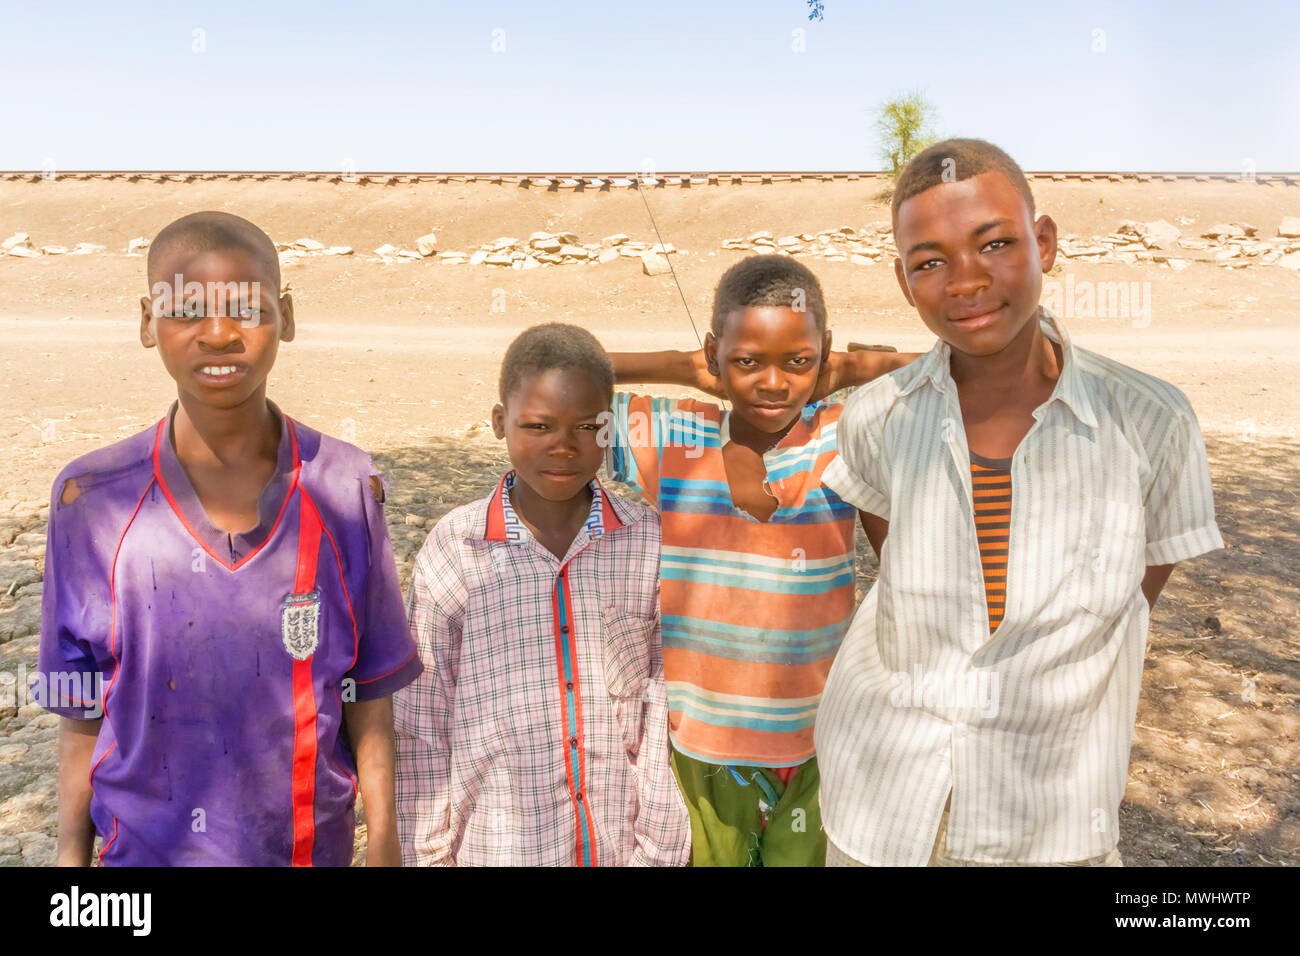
[(858, 260), (387, 249), (452, 254), (25, 252), (54, 250), (497, 259), (309, 245), (85, 248), (17, 239), (786, 241), (653, 264), (1289, 227), (607, 255), (1178, 265), (530, 263), (1160, 235), (663, 248), (568, 238), (427, 245), (136, 244), (1223, 230), (339, 251), (1290, 261), (574, 252), (477, 258), (761, 234), (616, 240)]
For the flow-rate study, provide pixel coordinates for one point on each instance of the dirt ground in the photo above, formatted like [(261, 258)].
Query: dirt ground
[(402, 359)]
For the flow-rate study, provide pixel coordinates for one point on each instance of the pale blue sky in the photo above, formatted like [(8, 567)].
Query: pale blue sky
[(585, 87)]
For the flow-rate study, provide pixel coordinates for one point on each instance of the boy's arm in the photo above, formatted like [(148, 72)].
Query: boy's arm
[(876, 529), (663, 825), (849, 369), (370, 730), (76, 830), (1153, 582), (689, 369), (423, 710)]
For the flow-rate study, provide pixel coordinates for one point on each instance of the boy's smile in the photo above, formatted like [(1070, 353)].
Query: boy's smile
[(218, 345), (971, 261), (768, 360), (550, 425)]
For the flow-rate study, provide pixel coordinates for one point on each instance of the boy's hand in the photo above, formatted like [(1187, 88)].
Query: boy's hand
[(702, 378), (848, 369)]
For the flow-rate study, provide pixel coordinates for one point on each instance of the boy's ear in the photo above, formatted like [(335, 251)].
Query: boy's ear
[(901, 275), (499, 420), (147, 337), (1045, 234), (711, 353), (287, 328), (826, 347)]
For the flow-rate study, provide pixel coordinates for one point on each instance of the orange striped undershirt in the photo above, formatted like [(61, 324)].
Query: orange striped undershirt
[(991, 487)]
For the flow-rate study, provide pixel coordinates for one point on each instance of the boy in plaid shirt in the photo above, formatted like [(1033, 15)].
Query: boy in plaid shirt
[(538, 735)]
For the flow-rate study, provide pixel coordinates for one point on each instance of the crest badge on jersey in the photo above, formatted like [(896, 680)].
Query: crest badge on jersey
[(300, 624)]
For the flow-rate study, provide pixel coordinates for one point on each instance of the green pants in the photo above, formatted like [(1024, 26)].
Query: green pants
[(745, 816)]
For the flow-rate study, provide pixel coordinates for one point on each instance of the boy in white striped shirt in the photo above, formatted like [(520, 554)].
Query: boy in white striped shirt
[(1035, 497)]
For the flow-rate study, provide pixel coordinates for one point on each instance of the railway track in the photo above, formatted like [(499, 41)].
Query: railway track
[(597, 180)]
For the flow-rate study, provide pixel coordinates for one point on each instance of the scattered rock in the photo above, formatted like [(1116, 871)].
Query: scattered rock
[(17, 239), (653, 264), (339, 251), (1289, 227), (607, 255), (427, 245), (387, 249), (309, 245), (138, 244)]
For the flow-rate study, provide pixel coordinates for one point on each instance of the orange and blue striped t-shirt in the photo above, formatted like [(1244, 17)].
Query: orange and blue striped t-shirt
[(753, 611)]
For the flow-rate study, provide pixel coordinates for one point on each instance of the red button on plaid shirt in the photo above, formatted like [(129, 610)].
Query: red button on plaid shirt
[(538, 733)]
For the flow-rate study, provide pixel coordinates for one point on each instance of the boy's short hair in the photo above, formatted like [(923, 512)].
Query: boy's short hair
[(216, 231), (767, 281), (555, 345), (954, 160)]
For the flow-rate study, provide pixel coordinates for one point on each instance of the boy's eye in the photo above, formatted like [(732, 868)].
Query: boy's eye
[(249, 312), (799, 360), (745, 362), (998, 243), (924, 266), (589, 426)]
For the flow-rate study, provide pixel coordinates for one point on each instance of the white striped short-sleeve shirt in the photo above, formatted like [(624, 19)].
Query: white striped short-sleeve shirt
[(1029, 728)]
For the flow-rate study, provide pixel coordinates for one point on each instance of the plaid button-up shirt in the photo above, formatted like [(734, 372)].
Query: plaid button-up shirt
[(538, 733)]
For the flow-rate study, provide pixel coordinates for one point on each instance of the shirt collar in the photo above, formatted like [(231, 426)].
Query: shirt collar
[(933, 367), (607, 513)]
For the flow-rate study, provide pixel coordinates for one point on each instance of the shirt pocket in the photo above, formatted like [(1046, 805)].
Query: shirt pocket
[(625, 656), (1112, 559)]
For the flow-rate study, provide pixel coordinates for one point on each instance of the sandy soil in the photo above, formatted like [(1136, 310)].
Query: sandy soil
[(402, 359)]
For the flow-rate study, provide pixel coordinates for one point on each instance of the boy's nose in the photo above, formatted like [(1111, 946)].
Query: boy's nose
[(218, 332), (966, 276)]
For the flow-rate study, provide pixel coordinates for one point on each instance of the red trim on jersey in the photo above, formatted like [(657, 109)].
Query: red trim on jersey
[(158, 477), (104, 848), (112, 646), (304, 693)]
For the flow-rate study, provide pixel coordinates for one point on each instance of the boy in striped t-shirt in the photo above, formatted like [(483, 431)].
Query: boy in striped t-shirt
[(757, 566)]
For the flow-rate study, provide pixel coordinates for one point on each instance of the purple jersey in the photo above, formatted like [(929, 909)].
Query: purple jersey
[(225, 659)]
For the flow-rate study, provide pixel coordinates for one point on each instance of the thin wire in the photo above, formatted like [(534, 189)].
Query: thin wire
[(685, 304)]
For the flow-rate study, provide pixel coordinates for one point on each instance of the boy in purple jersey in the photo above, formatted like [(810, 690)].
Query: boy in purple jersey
[(226, 577)]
